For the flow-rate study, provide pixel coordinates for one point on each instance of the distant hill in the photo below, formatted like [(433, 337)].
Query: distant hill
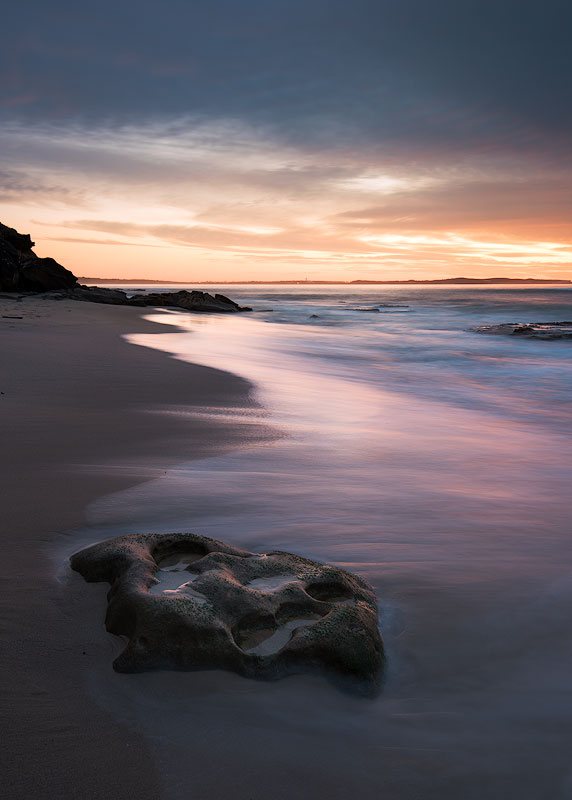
[(457, 281), (472, 280)]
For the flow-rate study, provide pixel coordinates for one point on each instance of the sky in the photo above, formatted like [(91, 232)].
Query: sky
[(200, 140)]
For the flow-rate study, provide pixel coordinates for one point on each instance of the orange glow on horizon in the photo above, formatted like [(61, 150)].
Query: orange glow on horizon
[(205, 204)]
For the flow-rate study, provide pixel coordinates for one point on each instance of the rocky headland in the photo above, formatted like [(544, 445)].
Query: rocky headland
[(23, 272)]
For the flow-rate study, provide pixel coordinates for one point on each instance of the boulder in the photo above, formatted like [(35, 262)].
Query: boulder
[(44, 275), (99, 294), (201, 302), (185, 601), (189, 301)]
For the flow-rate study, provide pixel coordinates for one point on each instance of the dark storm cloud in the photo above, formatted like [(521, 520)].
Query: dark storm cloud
[(423, 75)]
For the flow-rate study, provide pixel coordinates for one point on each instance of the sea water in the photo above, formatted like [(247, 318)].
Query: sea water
[(436, 463)]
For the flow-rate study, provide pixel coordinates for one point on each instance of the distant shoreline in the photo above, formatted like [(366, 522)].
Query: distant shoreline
[(436, 281)]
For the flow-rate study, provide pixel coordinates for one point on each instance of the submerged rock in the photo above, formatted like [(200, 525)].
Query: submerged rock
[(377, 309), (189, 602), (529, 330)]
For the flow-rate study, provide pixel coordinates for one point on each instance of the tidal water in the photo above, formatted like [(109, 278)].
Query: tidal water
[(436, 463)]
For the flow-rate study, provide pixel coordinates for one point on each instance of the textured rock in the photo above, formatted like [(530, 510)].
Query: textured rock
[(22, 242), (45, 274), (530, 330), (198, 302), (189, 602), (190, 301), (99, 294)]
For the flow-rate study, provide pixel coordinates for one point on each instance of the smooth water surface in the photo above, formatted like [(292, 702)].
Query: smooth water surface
[(431, 460)]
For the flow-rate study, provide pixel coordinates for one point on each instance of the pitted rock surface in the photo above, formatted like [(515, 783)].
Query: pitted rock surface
[(189, 602)]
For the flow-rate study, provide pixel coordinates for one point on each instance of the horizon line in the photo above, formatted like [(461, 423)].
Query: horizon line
[(303, 282)]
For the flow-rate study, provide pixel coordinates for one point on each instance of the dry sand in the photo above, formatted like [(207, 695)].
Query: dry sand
[(75, 426)]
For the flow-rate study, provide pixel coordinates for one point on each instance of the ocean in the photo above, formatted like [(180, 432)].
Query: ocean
[(430, 459)]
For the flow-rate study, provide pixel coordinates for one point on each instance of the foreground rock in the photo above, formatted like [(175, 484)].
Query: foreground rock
[(530, 330), (22, 271), (189, 602)]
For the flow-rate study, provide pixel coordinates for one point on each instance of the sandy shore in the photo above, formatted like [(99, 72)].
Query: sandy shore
[(75, 425)]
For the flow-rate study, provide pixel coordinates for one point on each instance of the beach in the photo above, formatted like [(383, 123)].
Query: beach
[(374, 431), (285, 401), (77, 424)]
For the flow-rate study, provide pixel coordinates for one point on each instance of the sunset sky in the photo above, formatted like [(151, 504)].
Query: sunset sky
[(273, 139)]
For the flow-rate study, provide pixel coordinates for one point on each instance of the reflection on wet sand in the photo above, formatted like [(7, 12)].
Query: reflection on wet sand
[(444, 482)]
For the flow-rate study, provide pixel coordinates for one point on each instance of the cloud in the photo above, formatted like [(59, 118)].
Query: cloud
[(113, 242), (225, 190), (271, 135), (447, 76), (502, 202), (24, 185)]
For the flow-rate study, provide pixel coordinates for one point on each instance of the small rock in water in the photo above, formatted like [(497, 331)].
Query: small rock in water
[(379, 307), (189, 602), (529, 330)]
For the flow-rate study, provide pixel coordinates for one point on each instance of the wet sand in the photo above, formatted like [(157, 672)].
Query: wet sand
[(454, 505), (456, 512), (81, 418)]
